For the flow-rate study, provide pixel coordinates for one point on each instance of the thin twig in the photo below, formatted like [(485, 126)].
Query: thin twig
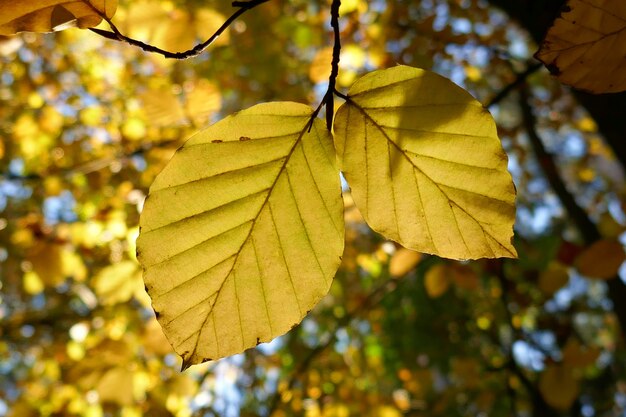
[(332, 80), (539, 404), (243, 6), (519, 80), (586, 227), (588, 230), (328, 99)]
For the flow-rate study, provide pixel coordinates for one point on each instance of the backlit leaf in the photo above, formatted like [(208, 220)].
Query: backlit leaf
[(403, 261), (586, 46), (243, 231), (437, 280), (602, 259), (559, 386), (425, 165), (52, 15), (554, 277)]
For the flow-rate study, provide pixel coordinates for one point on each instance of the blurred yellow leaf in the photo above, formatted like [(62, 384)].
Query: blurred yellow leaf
[(558, 386), (47, 261), (403, 261), (464, 277), (134, 129), (577, 355), (348, 6), (585, 47), (203, 99), (52, 15), (437, 280), (174, 29), (116, 386), (154, 340), (473, 73), (31, 283), (601, 260), (118, 283), (425, 165), (553, 278), (320, 66), (162, 107)]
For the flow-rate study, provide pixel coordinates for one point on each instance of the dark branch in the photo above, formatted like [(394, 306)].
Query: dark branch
[(243, 6), (588, 230), (519, 80), (586, 227), (330, 103), (328, 99)]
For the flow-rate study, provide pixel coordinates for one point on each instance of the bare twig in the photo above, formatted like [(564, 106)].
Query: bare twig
[(328, 99), (243, 6), (587, 229), (540, 407), (518, 81)]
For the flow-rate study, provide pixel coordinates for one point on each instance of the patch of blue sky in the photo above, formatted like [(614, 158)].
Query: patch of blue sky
[(139, 162), (271, 347), (60, 208), (573, 145), (534, 222), (461, 26), (228, 398), (342, 340), (378, 6), (442, 11), (528, 356)]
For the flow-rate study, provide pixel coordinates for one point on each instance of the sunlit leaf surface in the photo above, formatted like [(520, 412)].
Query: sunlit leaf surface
[(242, 232), (425, 164)]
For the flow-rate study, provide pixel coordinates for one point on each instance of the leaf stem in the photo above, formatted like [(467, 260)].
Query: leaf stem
[(328, 99), (332, 80), (115, 34)]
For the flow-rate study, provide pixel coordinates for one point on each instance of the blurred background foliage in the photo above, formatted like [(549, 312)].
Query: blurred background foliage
[(87, 123)]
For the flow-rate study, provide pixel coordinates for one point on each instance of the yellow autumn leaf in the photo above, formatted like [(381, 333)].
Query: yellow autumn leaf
[(320, 66), (558, 386), (576, 355), (425, 165), (553, 278), (116, 386), (601, 260), (52, 15), (585, 47), (403, 262), (161, 107), (464, 277), (203, 99), (243, 231), (437, 280), (47, 261), (118, 283), (181, 30)]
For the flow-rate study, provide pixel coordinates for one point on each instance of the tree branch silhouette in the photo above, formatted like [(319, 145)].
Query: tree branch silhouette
[(516, 83), (588, 230), (115, 34), (328, 99)]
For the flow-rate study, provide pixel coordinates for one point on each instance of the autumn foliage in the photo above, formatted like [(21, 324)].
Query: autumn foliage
[(353, 208)]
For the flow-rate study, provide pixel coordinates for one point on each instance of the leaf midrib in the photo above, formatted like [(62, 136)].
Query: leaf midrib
[(261, 207), (350, 101)]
